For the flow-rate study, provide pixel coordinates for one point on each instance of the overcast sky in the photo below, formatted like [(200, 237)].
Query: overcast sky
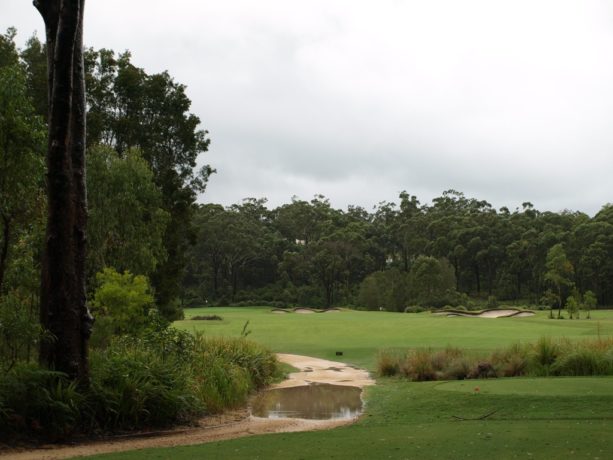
[(507, 101)]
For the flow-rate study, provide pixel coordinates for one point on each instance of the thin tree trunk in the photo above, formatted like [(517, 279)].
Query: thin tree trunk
[(63, 311), (4, 251)]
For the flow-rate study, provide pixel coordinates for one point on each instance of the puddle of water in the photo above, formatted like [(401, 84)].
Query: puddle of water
[(314, 402)]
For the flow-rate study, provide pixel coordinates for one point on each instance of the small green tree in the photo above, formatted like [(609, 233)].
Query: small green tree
[(589, 302), (559, 272), (121, 304), (551, 299), (572, 306)]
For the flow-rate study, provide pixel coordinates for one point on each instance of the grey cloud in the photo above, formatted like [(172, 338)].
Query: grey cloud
[(506, 101)]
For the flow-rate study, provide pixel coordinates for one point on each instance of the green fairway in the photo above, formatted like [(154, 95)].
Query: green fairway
[(360, 334), (559, 386), (531, 418)]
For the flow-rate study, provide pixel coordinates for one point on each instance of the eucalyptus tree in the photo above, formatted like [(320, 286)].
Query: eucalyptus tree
[(559, 273), (130, 108), (63, 294)]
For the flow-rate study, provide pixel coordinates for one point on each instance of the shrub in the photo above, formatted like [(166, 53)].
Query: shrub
[(121, 304), (388, 363), (135, 386), (206, 318), (545, 352), (38, 402), (512, 361), (418, 366), (583, 361), (157, 378), (458, 369)]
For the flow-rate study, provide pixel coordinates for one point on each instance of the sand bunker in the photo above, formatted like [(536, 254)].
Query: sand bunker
[(230, 425), (315, 370), (508, 313), (304, 311)]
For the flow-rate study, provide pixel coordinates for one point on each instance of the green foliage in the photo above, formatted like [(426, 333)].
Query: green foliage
[(432, 282), (559, 272), (585, 360), (162, 377), (589, 302), (572, 306), (130, 108), (38, 403), (121, 304), (22, 141), (227, 370), (19, 330), (133, 386), (387, 290), (128, 241), (545, 353)]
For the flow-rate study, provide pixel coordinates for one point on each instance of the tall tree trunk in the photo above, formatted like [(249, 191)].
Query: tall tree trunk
[(63, 311)]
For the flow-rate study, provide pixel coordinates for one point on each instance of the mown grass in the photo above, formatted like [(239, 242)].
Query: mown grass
[(360, 335), (535, 418)]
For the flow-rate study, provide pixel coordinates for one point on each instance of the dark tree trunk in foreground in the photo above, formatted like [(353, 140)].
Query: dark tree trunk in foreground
[(63, 311)]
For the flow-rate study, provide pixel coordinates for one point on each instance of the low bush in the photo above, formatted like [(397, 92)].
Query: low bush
[(38, 403), (162, 377)]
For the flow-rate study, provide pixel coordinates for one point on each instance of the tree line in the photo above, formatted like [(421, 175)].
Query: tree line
[(449, 252)]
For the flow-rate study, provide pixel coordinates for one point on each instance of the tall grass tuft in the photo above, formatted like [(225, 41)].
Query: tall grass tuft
[(227, 370), (544, 354), (388, 363), (512, 361)]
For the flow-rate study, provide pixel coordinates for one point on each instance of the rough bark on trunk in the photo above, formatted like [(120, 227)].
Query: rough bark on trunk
[(63, 311)]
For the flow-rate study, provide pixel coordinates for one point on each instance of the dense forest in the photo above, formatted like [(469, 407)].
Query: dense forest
[(444, 253)]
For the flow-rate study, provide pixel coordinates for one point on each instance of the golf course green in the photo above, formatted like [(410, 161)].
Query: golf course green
[(531, 418)]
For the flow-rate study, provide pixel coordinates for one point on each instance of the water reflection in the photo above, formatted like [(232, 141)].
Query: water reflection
[(313, 402)]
